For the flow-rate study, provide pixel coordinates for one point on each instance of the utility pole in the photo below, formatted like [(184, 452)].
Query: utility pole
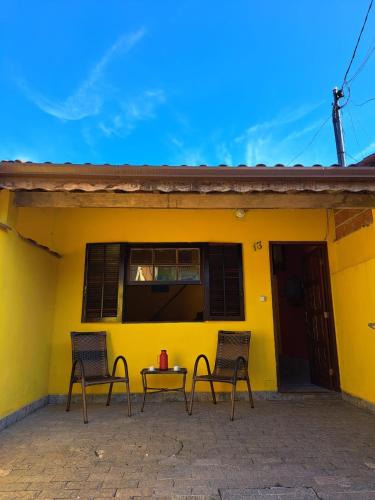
[(337, 126)]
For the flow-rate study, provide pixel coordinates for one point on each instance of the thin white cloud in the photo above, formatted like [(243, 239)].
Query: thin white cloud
[(87, 99), (297, 134), (192, 157), (143, 107), (276, 140), (282, 119), (224, 154), (186, 155), (176, 142), (368, 150), (18, 153), (258, 151)]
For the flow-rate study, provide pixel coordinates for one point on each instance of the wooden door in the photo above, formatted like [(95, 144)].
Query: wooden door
[(319, 319)]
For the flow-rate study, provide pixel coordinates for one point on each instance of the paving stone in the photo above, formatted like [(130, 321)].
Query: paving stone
[(14, 487), (279, 450), (348, 495), (95, 493), (37, 486), (18, 494), (273, 493), (121, 483), (77, 485), (134, 492)]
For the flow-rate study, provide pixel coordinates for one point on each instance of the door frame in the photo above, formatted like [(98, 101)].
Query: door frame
[(332, 343)]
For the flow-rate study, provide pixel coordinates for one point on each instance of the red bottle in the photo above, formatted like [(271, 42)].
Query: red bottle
[(163, 360)]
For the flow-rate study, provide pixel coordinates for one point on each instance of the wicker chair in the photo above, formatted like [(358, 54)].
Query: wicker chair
[(231, 365), (90, 366)]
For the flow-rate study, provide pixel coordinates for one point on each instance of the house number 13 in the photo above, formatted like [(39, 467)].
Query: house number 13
[(257, 246)]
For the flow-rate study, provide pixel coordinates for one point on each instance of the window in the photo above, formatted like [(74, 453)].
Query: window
[(224, 292), (101, 297), (156, 283), (167, 265)]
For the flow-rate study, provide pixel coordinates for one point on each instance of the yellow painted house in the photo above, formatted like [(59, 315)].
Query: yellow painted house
[(164, 257)]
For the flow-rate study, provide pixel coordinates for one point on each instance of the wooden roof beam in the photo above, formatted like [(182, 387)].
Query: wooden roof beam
[(303, 200)]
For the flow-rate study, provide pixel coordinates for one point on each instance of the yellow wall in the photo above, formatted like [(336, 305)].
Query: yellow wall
[(353, 286), (4, 206), (27, 293), (140, 343), (352, 264), (41, 296)]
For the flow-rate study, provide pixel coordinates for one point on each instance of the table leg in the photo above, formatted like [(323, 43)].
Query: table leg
[(144, 381)]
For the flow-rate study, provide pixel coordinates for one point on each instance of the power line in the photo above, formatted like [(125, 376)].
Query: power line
[(363, 64), (347, 99), (357, 44), (344, 140), (339, 94), (311, 141), (355, 135), (353, 128), (365, 102), (352, 157), (364, 130)]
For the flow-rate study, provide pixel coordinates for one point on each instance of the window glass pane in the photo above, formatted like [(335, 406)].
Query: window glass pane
[(188, 256), (165, 273), (188, 273), (141, 256), (165, 256), (140, 273)]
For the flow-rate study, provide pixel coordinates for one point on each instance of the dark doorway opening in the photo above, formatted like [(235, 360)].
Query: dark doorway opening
[(303, 317)]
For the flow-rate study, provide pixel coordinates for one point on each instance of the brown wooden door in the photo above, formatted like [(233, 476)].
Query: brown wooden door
[(319, 318)]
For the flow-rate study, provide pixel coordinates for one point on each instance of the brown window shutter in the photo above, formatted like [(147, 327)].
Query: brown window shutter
[(224, 288), (102, 282)]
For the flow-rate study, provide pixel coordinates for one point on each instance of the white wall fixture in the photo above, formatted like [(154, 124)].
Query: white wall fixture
[(240, 213)]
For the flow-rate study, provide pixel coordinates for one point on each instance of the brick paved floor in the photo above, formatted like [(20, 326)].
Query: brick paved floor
[(281, 449)]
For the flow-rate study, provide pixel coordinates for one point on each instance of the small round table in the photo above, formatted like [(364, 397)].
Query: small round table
[(153, 390)]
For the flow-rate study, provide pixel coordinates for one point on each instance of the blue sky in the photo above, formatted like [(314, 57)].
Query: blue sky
[(182, 81)]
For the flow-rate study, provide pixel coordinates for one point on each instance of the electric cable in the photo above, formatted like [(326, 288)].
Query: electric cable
[(346, 82), (357, 44), (364, 102), (363, 64), (352, 157), (311, 141), (364, 130), (346, 151), (353, 128)]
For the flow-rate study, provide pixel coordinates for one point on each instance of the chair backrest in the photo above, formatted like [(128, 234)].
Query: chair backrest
[(231, 345), (91, 349)]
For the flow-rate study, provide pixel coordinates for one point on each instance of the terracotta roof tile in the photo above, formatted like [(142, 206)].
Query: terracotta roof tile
[(17, 175), (369, 161)]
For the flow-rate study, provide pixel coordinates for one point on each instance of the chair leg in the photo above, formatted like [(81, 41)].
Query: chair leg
[(84, 403), (129, 401), (233, 397), (250, 393), (69, 394), (192, 397), (186, 401), (109, 394), (213, 392)]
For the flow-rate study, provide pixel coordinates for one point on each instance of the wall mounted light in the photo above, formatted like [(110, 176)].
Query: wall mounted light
[(240, 213)]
